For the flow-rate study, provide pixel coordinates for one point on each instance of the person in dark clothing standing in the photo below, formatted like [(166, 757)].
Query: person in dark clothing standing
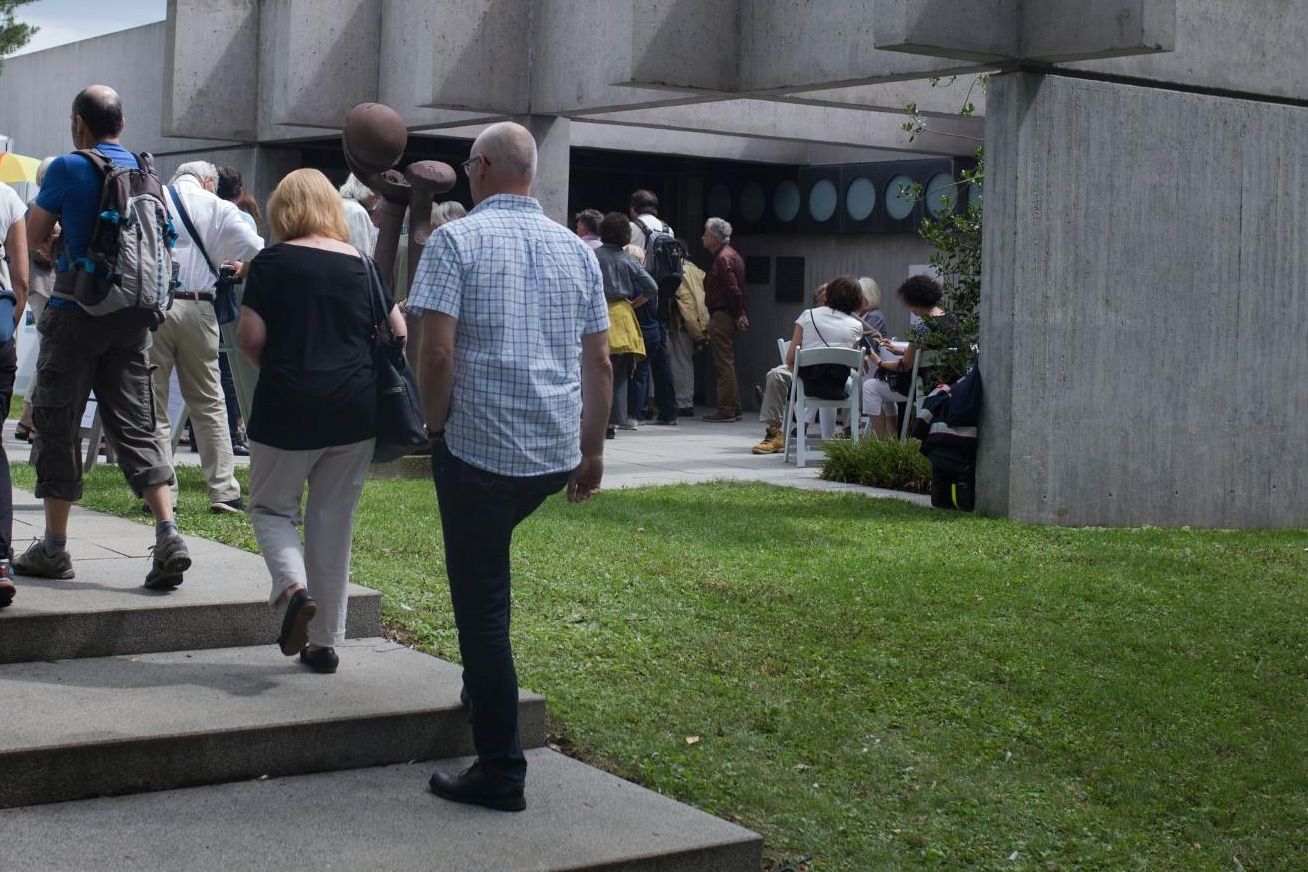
[(724, 295)]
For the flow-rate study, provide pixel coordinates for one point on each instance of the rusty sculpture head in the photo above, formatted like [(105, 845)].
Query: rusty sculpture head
[(374, 138), (373, 141)]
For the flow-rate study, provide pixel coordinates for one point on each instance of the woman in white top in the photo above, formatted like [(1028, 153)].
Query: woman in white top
[(832, 323), (358, 198), (13, 286)]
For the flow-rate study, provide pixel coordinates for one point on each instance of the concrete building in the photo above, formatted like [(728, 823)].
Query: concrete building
[(1144, 304)]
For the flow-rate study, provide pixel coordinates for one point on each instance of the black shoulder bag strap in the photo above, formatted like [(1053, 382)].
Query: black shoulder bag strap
[(190, 229), (381, 316), (812, 318)]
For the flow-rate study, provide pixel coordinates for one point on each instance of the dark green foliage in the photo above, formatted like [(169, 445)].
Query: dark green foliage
[(891, 464), (13, 34)]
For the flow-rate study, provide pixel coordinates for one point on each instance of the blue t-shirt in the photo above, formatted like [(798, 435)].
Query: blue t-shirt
[(71, 191)]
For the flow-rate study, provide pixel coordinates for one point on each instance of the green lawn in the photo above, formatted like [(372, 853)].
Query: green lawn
[(873, 685)]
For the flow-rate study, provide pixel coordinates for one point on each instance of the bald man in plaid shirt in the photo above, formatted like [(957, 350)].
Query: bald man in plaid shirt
[(516, 386)]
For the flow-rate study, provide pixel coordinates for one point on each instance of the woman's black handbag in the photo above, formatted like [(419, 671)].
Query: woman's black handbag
[(400, 426)]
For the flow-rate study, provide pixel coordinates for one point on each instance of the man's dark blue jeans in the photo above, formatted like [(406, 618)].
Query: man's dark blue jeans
[(479, 511)]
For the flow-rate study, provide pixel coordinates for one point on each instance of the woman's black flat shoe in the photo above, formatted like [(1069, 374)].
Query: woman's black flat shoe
[(295, 626), (322, 660)]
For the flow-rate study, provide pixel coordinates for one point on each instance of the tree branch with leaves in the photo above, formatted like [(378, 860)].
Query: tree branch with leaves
[(13, 33)]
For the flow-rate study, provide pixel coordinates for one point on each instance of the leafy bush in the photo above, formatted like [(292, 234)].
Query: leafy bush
[(890, 464)]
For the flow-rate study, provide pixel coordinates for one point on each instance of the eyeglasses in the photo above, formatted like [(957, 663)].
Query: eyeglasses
[(472, 161)]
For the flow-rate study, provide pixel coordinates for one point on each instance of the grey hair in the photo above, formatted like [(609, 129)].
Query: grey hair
[(871, 292), (200, 170), (510, 146), (719, 229), (41, 168), (353, 189), (444, 213)]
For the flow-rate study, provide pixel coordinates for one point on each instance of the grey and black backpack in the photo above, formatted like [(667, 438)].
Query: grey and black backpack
[(128, 266)]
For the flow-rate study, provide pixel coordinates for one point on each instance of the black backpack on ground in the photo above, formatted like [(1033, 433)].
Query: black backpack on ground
[(663, 256)]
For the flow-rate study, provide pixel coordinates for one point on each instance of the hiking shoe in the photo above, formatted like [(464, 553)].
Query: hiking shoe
[(36, 562), (171, 559), (772, 442), (7, 589), (234, 507)]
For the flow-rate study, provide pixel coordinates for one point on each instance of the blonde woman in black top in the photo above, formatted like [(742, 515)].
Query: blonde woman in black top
[(307, 323)]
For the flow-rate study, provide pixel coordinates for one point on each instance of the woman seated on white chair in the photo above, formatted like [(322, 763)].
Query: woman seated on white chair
[(922, 296), (831, 323)]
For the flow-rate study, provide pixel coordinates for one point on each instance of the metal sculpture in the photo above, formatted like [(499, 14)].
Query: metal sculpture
[(373, 141)]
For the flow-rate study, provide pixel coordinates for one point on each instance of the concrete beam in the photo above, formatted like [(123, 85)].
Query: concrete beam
[(1044, 31), (982, 31), (211, 69), (1250, 47), (319, 58), (1073, 29), (585, 133), (946, 98), (562, 86), (678, 45), (480, 53), (767, 119)]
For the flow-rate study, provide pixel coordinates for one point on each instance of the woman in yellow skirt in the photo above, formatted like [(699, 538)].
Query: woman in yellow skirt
[(625, 282)]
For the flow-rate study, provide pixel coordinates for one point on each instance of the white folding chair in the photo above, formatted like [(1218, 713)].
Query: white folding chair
[(783, 346), (915, 393), (800, 403)]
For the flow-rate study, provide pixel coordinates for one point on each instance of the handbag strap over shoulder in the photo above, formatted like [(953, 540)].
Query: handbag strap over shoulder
[(376, 302), (190, 230)]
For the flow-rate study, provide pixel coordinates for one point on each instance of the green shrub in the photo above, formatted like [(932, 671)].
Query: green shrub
[(891, 464)]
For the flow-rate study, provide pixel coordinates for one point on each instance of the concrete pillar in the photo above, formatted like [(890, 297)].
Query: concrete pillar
[(1144, 310), (554, 159)]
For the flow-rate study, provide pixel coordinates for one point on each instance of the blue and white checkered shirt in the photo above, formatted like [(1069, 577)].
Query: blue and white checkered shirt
[(524, 291)]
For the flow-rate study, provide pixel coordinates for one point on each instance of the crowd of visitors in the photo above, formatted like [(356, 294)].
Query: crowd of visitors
[(533, 343)]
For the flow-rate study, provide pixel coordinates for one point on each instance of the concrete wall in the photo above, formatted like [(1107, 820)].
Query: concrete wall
[(1145, 313), (37, 90)]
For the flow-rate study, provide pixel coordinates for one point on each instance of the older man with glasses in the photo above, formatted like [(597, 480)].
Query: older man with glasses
[(516, 385)]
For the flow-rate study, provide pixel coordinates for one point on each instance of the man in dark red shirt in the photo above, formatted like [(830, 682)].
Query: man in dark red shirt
[(724, 295)]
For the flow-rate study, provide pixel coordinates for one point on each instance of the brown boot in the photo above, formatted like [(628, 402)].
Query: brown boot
[(772, 442)]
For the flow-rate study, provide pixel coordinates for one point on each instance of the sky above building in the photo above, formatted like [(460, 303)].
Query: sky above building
[(63, 21)]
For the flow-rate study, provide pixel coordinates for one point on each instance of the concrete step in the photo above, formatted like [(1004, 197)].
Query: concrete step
[(105, 611), (381, 818), (95, 727)]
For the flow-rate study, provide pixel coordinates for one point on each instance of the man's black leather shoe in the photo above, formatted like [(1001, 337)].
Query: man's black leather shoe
[(475, 788)]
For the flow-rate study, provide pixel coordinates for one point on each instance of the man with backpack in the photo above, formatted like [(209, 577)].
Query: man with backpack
[(96, 331), (664, 256), (211, 234)]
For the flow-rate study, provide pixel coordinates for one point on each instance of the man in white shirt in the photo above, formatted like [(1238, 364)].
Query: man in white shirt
[(188, 338)]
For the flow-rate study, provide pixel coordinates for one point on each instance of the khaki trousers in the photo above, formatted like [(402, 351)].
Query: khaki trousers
[(681, 349), (188, 341), (722, 337)]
